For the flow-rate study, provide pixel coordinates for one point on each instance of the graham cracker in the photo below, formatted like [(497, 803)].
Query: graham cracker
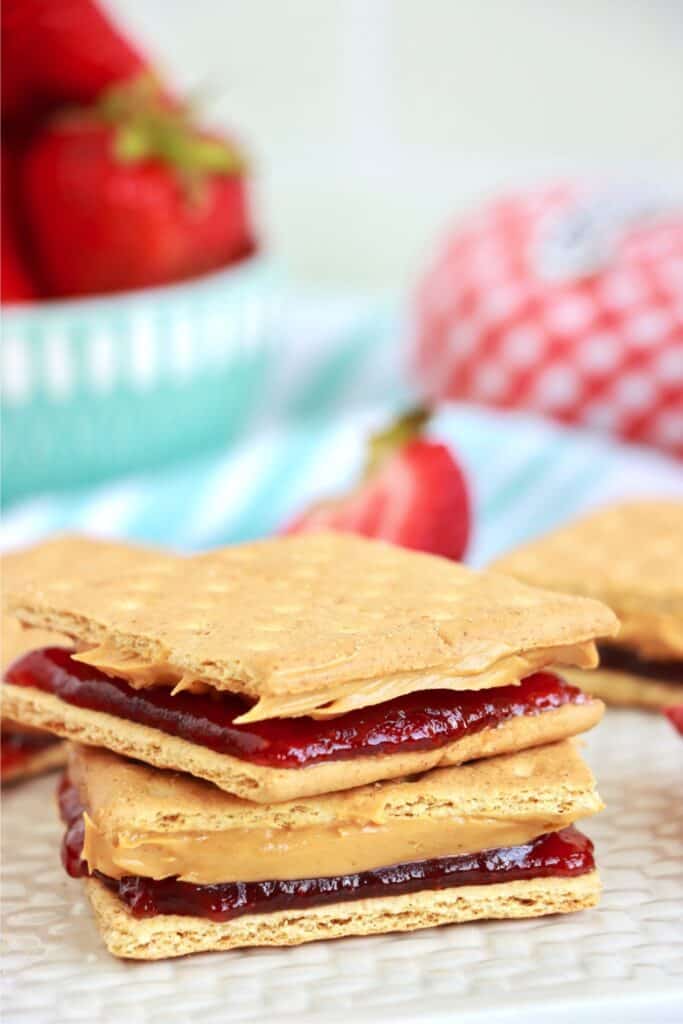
[(18, 569), (70, 556), (48, 564), (51, 561), (315, 618), (15, 641), (162, 936), (630, 556), (623, 689), (275, 785), (125, 797)]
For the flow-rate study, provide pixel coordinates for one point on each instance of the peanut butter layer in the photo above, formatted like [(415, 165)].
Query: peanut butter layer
[(143, 822), (252, 855), (316, 624), (631, 557), (328, 703)]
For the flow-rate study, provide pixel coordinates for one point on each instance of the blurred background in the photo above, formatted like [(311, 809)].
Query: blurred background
[(372, 123), (472, 206)]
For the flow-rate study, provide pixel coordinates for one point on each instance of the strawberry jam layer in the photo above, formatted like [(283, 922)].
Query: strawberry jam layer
[(620, 659), (417, 721), (18, 747), (555, 855)]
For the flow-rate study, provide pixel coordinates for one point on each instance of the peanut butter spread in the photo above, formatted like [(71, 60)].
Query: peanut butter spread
[(338, 700), (312, 624), (261, 854), (141, 821)]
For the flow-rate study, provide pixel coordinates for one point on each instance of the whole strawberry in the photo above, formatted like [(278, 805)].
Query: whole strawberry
[(130, 193), (56, 52), (413, 494), (16, 283)]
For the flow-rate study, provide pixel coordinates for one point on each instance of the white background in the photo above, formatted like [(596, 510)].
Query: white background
[(371, 122)]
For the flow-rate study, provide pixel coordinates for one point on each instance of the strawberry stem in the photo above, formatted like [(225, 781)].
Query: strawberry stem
[(388, 441), (148, 126)]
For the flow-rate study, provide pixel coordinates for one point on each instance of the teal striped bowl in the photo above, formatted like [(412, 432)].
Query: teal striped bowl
[(96, 387)]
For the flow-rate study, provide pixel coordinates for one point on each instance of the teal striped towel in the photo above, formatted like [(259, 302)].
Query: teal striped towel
[(526, 476)]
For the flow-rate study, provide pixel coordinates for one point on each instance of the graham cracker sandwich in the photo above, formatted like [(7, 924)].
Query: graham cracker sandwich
[(25, 749), (630, 556), (305, 665), (174, 865)]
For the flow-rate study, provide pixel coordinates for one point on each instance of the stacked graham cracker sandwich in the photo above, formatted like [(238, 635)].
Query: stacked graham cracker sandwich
[(27, 751), (311, 737), (629, 555)]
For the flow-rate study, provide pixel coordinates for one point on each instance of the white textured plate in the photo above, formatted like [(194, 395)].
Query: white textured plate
[(622, 961)]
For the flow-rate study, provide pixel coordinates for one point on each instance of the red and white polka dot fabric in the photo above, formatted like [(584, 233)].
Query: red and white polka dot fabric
[(566, 302)]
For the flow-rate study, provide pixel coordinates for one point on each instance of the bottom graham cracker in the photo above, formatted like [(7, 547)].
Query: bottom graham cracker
[(170, 935)]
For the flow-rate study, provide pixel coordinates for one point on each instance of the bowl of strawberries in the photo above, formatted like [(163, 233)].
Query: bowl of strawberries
[(136, 303)]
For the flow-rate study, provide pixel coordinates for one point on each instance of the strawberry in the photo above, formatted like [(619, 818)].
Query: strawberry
[(413, 494), (16, 284), (56, 52), (129, 193), (675, 716)]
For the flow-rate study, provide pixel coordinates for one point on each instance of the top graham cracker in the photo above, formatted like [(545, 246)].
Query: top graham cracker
[(628, 555), (50, 561), (304, 621), (70, 557), (17, 641)]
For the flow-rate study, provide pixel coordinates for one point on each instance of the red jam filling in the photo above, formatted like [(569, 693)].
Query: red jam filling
[(555, 855), (18, 747), (620, 659), (417, 721)]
